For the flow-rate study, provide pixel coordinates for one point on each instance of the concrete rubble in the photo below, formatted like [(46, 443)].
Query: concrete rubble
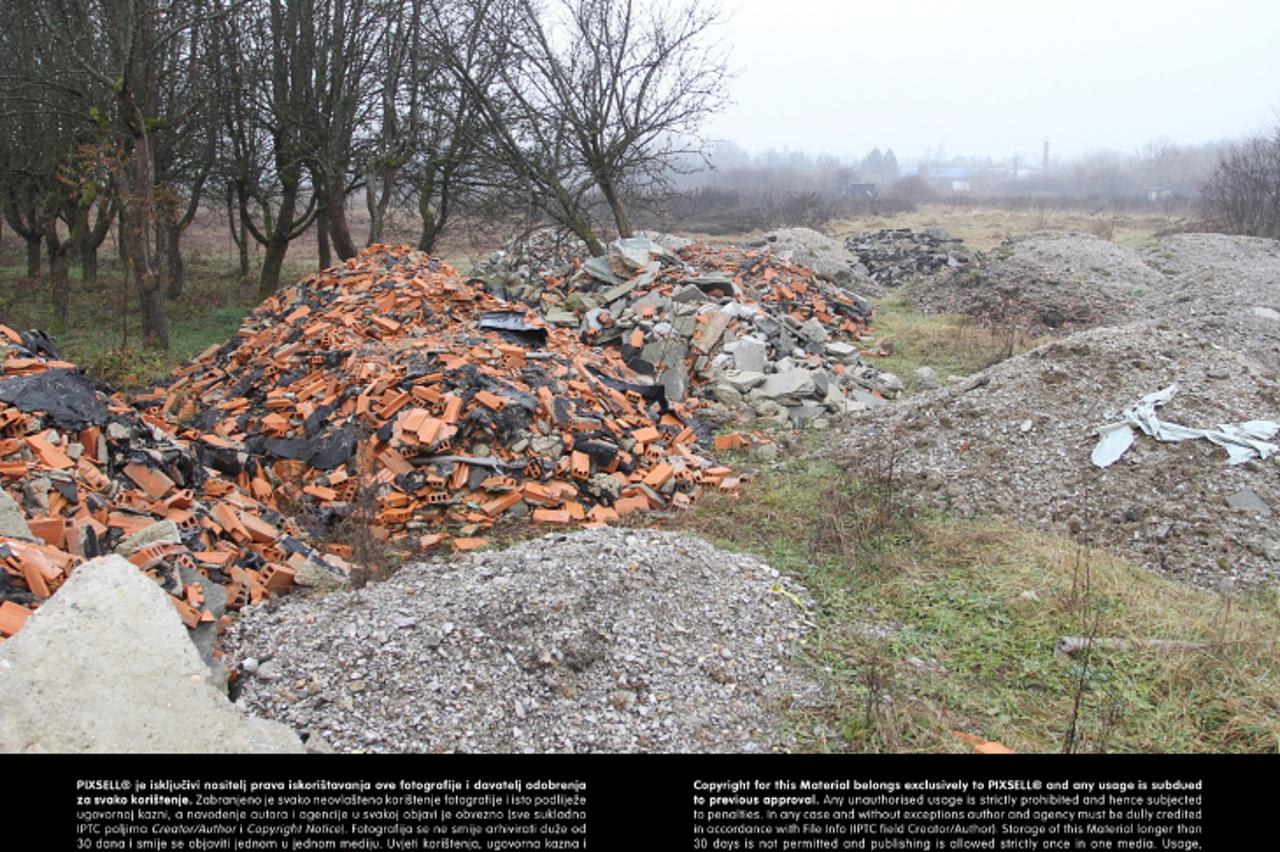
[(105, 666), (892, 257), (706, 321)]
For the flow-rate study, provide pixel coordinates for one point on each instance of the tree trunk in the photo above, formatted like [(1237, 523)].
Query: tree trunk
[(239, 235), (122, 240), (272, 263), (33, 256), (610, 189), (430, 223), (322, 240), (59, 272), (142, 259), (89, 264), (243, 247), (155, 321), (175, 269), (335, 207), (278, 241), (378, 203)]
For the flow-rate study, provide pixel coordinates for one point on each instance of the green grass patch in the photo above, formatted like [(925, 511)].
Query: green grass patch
[(949, 343), (104, 329), (928, 626)]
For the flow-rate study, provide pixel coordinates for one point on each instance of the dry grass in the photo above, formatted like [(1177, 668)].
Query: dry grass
[(985, 227), (951, 344), (928, 626)]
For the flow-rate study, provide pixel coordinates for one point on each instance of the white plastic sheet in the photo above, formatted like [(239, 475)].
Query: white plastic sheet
[(1242, 441)]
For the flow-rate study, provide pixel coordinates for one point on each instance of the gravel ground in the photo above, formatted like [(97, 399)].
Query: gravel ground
[(596, 641), (1015, 440), (1224, 288), (1048, 280)]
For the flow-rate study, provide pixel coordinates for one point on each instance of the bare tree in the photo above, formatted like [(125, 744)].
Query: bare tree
[(1243, 195), (631, 82), (336, 60), (529, 158), (119, 52), (267, 100)]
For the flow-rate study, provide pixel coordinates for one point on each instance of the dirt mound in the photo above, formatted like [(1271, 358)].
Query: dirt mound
[(1224, 288), (1016, 440), (611, 640), (1047, 281)]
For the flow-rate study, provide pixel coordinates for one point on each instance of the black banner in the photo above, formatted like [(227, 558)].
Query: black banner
[(683, 802)]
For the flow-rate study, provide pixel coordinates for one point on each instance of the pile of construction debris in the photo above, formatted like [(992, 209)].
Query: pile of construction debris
[(84, 475), (744, 328), (392, 379), (388, 386), (543, 252), (894, 256), (827, 257)]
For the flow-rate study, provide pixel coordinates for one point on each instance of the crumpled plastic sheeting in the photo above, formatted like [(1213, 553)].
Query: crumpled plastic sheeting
[(1242, 441)]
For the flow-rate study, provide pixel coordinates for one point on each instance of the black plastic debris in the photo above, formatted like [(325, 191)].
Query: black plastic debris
[(40, 344), (335, 447), (653, 393), (511, 326), (66, 396)]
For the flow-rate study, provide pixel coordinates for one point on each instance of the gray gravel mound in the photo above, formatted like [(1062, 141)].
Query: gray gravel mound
[(1048, 280), (606, 640), (1015, 440), (1224, 288)]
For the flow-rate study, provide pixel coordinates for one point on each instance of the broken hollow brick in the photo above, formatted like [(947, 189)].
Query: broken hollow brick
[(373, 384)]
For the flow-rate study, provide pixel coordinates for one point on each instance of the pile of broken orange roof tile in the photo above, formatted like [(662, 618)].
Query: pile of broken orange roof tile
[(83, 474), (393, 381), (738, 325)]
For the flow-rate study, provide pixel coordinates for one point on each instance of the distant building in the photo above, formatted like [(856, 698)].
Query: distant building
[(1158, 193)]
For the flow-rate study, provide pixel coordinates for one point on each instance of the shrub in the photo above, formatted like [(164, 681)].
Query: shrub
[(1242, 196)]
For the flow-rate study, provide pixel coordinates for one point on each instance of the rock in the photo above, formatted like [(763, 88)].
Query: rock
[(161, 532), (35, 492), (548, 446), (814, 331), (1247, 500), (204, 636), (792, 385), (725, 394), (565, 318), (709, 333), (105, 666), (828, 258), (843, 352), (926, 377), (765, 452), (318, 575), (1266, 313), (866, 398), (675, 379), (805, 412), (12, 521), (750, 355), (744, 380), (937, 232), (889, 382)]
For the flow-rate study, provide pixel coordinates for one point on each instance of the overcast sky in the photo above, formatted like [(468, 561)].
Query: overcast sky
[(987, 77)]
